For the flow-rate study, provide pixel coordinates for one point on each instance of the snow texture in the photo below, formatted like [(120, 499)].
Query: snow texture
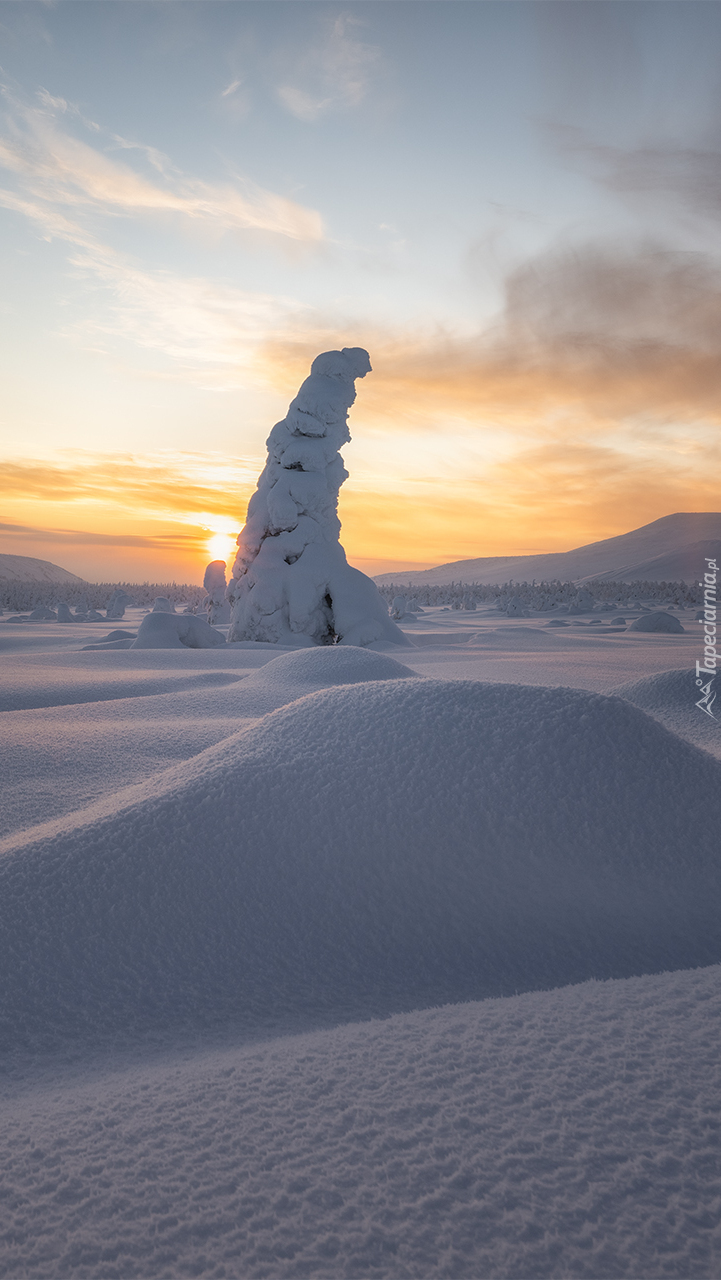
[(284, 841), (291, 582), (165, 630), (59, 758), (671, 697), (255, 884), (569, 1133)]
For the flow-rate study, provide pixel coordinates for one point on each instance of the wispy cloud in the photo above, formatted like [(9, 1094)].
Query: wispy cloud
[(183, 542), (177, 487), (335, 73), (61, 169), (203, 325), (689, 174)]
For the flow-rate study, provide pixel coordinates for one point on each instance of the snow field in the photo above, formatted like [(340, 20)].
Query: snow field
[(373, 842), (368, 848), (569, 1133)]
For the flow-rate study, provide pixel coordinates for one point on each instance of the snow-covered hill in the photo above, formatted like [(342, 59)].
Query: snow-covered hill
[(27, 569), (671, 549)]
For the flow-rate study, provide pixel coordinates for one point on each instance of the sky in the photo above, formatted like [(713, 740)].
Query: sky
[(512, 206)]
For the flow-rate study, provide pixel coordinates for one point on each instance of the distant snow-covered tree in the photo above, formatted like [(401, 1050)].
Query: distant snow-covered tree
[(216, 605)]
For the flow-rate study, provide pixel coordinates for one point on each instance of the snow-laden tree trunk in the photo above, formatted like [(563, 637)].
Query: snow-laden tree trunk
[(291, 581)]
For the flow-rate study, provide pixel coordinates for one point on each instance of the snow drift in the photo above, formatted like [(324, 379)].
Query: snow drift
[(368, 849)]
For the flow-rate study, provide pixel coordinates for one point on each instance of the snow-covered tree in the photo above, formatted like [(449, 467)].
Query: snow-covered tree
[(216, 605), (116, 605), (291, 581)]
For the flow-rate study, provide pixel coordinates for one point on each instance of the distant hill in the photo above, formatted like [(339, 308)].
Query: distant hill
[(26, 569), (671, 549)]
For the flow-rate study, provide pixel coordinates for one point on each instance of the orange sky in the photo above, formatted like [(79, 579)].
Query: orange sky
[(459, 450), (511, 211)]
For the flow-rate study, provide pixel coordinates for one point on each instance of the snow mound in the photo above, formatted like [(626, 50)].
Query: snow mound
[(176, 631), (368, 849), (672, 697), (560, 1133), (659, 621), (113, 640), (293, 675), (331, 665), (162, 604)]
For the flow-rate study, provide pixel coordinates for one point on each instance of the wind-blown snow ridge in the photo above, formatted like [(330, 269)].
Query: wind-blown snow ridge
[(368, 849)]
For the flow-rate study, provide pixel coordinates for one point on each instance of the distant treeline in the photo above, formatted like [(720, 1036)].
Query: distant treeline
[(19, 597), (542, 595)]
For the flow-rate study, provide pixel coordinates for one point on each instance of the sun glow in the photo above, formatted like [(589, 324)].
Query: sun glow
[(221, 546)]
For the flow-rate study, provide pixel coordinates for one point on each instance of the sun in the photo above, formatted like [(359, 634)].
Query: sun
[(221, 546)]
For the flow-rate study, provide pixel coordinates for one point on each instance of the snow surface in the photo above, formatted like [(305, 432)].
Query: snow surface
[(671, 697), (255, 879), (565, 1133), (246, 849)]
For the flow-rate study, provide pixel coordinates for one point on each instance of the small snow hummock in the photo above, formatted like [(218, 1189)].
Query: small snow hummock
[(216, 605), (162, 604), (291, 582), (657, 622), (163, 630)]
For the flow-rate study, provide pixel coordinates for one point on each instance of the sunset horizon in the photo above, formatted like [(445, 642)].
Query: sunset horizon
[(537, 283)]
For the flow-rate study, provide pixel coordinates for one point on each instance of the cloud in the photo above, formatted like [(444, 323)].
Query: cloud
[(691, 174), (336, 73), (177, 487), (602, 332), (197, 322), (90, 538), (55, 166)]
